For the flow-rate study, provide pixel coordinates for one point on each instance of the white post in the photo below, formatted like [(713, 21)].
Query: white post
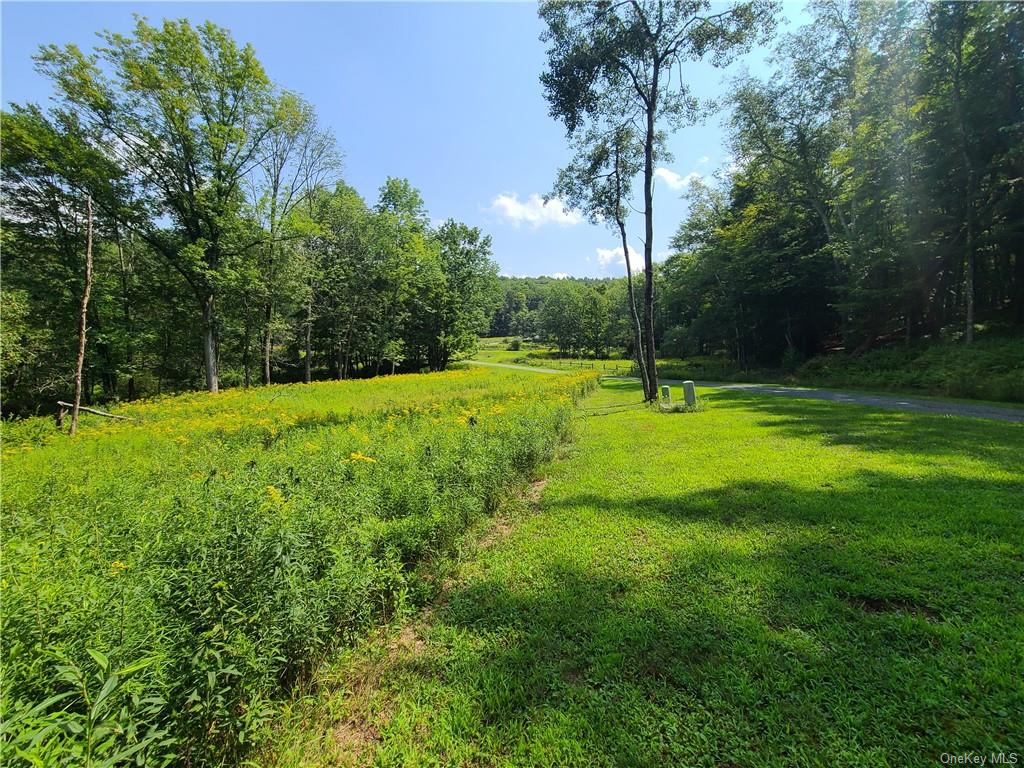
[(689, 393)]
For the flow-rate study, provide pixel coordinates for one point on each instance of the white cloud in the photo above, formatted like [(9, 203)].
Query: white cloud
[(674, 180), (615, 256), (533, 210), (704, 160)]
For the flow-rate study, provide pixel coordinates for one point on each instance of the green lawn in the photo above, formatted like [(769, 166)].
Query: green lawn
[(765, 582)]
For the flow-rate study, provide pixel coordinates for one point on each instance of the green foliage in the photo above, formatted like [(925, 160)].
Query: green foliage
[(225, 247), (992, 368), (165, 580), (873, 194)]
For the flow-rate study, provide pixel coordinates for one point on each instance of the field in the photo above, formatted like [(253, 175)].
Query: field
[(371, 572), (763, 582), (166, 580)]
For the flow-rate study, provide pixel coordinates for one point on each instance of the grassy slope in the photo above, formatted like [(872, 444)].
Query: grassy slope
[(767, 581)]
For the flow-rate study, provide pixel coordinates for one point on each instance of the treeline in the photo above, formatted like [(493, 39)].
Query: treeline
[(227, 249), (586, 316), (877, 192)]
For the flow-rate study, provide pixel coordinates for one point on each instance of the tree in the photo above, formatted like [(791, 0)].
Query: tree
[(466, 295), (298, 158), (630, 55), (83, 317), (185, 113), (598, 181)]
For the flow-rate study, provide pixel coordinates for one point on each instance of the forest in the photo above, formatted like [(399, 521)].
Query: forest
[(228, 250), (876, 197)]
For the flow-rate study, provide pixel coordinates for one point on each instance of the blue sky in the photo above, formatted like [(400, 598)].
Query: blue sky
[(444, 94)]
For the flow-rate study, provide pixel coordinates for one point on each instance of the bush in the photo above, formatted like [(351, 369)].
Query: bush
[(515, 343), (166, 580)]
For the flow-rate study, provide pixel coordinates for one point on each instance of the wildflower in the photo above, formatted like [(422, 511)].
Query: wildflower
[(118, 566), (357, 456), (275, 496)]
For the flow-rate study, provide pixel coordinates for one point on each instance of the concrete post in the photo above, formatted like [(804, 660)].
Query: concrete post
[(689, 393)]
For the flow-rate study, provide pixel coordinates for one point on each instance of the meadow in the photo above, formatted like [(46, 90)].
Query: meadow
[(763, 582), (166, 580)]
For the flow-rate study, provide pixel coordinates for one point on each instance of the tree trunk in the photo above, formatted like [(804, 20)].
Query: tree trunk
[(638, 347), (965, 158), (651, 374), (307, 373), (82, 317), (268, 340), (210, 344), (126, 309)]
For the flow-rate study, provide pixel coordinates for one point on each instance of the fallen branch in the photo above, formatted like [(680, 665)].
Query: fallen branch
[(65, 406)]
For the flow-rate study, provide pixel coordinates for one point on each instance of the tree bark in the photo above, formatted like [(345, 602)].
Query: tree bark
[(307, 373), (638, 346), (126, 309), (651, 374), (82, 317), (210, 344), (268, 340), (965, 158)]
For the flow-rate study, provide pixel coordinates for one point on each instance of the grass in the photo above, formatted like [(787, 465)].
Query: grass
[(166, 580), (764, 582)]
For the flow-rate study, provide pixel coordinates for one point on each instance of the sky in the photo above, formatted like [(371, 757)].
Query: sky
[(446, 95)]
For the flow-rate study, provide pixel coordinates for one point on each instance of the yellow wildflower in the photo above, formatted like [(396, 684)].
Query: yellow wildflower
[(357, 456), (276, 498)]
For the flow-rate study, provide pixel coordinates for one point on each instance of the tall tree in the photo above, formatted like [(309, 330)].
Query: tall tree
[(83, 317), (465, 296), (299, 157), (598, 181), (185, 112), (631, 55)]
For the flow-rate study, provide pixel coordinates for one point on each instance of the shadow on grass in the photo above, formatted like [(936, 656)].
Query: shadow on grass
[(755, 624), (997, 443)]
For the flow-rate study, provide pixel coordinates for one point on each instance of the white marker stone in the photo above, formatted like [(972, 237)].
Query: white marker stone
[(689, 393), (665, 394)]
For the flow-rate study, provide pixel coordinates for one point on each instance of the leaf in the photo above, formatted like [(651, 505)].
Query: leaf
[(136, 666), (100, 658), (108, 688), (47, 703)]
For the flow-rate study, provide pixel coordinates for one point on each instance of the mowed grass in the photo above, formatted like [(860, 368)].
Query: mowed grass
[(765, 582)]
